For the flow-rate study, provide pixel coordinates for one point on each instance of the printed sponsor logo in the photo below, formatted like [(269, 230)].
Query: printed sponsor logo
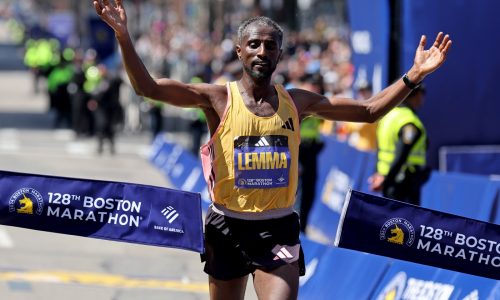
[(26, 201), (283, 254), (288, 124), (401, 287), (394, 289), (288, 254), (170, 214), (398, 231)]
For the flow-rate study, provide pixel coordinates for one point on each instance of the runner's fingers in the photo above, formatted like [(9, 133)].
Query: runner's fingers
[(447, 47), (437, 42), (423, 40), (444, 42), (97, 7)]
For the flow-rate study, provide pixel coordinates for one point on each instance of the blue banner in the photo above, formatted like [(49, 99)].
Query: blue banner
[(369, 21), (472, 97), (105, 210), (395, 229)]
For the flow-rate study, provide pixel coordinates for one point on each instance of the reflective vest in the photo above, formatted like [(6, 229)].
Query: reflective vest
[(92, 79), (388, 137), (59, 76), (309, 129)]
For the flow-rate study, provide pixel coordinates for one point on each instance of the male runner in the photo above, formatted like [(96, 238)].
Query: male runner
[(250, 163)]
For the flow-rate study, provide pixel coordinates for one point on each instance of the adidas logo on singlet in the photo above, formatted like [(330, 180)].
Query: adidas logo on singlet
[(262, 142), (288, 124)]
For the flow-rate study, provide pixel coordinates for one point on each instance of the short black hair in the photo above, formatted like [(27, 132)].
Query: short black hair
[(261, 20)]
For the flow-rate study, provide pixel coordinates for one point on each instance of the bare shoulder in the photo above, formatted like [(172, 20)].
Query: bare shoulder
[(304, 99), (216, 94)]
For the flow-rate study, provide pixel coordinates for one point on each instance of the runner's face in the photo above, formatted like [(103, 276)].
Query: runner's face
[(259, 51)]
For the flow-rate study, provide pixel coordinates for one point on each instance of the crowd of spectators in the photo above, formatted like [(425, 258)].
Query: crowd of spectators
[(180, 53), (192, 53)]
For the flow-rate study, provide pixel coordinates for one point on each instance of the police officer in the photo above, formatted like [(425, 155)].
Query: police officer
[(402, 146)]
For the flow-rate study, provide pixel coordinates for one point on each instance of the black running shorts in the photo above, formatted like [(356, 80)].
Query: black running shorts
[(235, 248)]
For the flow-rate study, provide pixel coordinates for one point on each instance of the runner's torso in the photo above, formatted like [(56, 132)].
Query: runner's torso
[(250, 163)]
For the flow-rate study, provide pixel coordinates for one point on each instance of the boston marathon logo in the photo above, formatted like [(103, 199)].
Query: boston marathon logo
[(26, 201), (261, 161), (398, 231)]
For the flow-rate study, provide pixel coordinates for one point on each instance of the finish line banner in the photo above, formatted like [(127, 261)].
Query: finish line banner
[(115, 211), (395, 229)]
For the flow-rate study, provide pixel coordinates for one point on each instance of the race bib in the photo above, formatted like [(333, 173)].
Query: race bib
[(261, 162)]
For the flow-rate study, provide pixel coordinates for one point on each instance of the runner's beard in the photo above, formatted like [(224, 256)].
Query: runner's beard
[(260, 75)]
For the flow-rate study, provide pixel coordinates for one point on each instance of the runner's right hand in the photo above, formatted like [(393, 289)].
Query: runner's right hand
[(114, 15)]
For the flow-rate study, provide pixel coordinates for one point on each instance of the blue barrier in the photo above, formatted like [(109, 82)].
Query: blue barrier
[(467, 195), (481, 160), (405, 280), (313, 253), (334, 273), (180, 166), (340, 167)]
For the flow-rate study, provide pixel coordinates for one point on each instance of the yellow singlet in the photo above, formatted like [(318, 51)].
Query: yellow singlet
[(251, 162)]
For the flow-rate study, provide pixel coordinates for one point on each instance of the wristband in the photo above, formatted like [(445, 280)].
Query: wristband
[(410, 84)]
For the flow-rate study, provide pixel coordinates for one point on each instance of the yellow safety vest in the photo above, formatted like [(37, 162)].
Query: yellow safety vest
[(388, 136), (309, 129)]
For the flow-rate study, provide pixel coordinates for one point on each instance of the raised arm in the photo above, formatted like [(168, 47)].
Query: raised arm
[(370, 110), (166, 90)]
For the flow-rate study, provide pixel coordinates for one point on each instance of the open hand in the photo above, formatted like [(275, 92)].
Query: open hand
[(427, 61), (113, 15)]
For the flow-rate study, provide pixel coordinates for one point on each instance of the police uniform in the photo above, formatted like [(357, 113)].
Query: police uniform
[(250, 165), (402, 146)]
